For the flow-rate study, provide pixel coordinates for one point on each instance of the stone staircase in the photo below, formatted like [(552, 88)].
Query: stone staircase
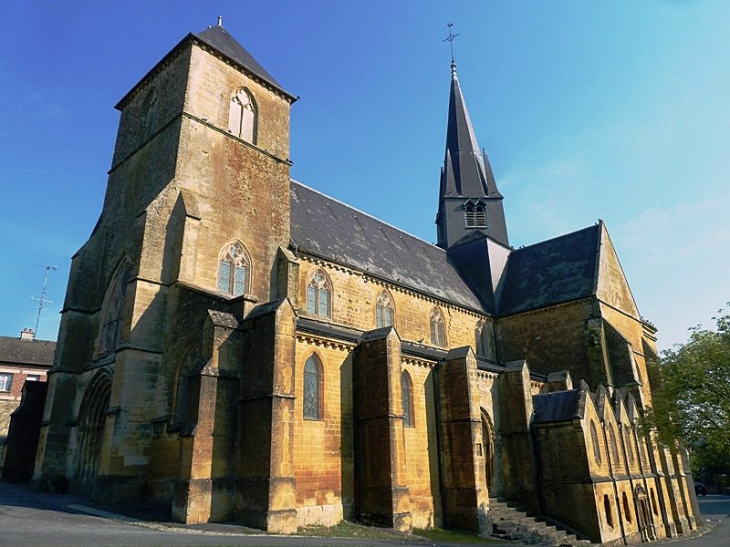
[(512, 524)]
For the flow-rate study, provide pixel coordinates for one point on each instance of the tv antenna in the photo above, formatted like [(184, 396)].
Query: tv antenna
[(43, 300)]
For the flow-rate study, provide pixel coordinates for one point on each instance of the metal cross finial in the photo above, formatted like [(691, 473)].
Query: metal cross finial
[(450, 38)]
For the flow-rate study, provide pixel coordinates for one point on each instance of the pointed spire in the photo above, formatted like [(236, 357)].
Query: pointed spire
[(467, 178)]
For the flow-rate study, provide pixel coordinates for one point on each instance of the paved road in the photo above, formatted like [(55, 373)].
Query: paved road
[(716, 511), (30, 519)]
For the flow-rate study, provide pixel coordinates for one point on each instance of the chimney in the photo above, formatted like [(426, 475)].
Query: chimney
[(27, 335)]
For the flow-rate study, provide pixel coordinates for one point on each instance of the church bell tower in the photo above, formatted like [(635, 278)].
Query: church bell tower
[(469, 203)]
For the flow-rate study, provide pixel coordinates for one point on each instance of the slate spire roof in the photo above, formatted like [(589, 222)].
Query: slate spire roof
[(466, 173), (467, 181)]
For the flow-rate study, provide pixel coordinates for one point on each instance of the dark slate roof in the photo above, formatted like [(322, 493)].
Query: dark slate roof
[(26, 352), (551, 272), (465, 172), (218, 38), (559, 406), (325, 227)]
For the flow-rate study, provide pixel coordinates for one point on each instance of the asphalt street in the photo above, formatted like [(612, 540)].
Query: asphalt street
[(32, 519)]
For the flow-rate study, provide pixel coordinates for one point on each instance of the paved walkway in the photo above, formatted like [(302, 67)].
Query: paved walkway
[(30, 519)]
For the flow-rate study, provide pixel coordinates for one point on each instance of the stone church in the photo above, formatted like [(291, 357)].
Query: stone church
[(239, 346)]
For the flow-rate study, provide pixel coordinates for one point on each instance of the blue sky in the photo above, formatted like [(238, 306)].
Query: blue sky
[(613, 110)]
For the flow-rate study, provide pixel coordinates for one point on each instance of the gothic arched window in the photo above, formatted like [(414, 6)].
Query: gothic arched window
[(384, 312), (233, 270), (319, 291), (111, 323), (406, 390), (438, 329), (614, 446), (149, 112), (594, 443), (629, 444), (313, 389), (483, 340), (242, 117), (475, 215)]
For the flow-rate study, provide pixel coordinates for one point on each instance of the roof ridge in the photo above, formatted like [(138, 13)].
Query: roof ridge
[(381, 221), (568, 234)]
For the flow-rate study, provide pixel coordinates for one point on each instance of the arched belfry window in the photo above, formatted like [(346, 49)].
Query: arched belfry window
[(319, 293), (111, 322), (483, 340), (312, 395), (384, 312), (243, 116), (475, 215), (406, 390), (438, 328), (234, 268)]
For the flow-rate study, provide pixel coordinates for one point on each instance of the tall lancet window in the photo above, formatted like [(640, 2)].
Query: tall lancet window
[(111, 323), (242, 117), (406, 390), (475, 215), (438, 329), (233, 270), (384, 314), (319, 290)]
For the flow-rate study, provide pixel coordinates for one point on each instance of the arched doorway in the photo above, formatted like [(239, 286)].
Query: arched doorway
[(488, 443), (92, 416), (645, 522)]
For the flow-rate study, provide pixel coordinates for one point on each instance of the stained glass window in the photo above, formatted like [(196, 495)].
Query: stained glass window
[(312, 389)]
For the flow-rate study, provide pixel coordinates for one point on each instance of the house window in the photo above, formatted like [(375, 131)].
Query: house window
[(313, 389), (475, 215), (384, 313), (406, 390), (6, 381), (438, 330), (233, 270), (242, 117), (319, 293), (33, 378), (594, 442)]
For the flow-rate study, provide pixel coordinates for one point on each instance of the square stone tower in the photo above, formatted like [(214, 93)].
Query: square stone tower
[(196, 209)]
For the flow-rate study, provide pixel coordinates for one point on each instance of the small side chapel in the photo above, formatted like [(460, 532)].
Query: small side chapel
[(239, 346)]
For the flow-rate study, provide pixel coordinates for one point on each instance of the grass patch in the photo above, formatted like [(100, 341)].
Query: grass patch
[(347, 529)]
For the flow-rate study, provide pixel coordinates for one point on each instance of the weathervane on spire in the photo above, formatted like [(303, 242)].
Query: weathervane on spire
[(450, 38)]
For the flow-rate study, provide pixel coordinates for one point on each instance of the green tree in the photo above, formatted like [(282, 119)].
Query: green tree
[(691, 399)]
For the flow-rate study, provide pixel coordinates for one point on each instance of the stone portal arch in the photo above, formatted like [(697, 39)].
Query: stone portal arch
[(92, 416), (488, 450)]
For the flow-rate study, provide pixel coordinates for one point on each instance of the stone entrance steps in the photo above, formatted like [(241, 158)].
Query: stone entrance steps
[(512, 524)]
